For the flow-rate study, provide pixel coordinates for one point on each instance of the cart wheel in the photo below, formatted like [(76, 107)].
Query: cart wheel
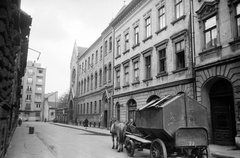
[(200, 152), (158, 149), (130, 147)]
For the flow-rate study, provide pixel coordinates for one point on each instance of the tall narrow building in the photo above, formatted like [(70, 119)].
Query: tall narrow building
[(33, 84)]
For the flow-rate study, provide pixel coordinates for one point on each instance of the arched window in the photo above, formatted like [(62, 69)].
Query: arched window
[(132, 107)]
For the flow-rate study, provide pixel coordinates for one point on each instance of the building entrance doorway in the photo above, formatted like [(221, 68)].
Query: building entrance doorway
[(222, 112), (105, 118)]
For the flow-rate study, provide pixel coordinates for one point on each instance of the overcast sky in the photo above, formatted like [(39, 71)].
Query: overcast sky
[(56, 24)]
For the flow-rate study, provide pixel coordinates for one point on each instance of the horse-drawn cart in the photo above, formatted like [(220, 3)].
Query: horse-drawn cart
[(175, 126)]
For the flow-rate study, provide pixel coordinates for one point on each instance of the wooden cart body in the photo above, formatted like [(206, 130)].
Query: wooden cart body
[(178, 123)]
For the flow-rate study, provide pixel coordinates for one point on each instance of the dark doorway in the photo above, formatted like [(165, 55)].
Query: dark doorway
[(105, 118), (222, 111)]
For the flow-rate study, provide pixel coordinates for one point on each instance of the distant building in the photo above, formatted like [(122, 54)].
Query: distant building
[(61, 115), (33, 84), (49, 105)]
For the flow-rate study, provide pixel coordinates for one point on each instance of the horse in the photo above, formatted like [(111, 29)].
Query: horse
[(118, 129)]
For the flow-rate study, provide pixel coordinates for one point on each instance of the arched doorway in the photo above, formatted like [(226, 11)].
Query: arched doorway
[(132, 107), (71, 110), (222, 112)]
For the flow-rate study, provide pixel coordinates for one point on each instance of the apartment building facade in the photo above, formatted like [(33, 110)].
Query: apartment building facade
[(33, 90), (217, 59), (152, 54)]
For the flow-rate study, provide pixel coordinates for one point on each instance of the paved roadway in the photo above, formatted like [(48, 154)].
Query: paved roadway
[(65, 142)]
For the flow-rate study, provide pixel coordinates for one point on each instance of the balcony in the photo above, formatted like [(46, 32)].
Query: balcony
[(28, 100)]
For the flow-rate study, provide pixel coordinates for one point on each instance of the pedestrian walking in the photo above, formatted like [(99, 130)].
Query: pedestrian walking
[(86, 123), (19, 122)]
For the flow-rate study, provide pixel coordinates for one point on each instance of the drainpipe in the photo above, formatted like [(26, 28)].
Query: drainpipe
[(192, 47)]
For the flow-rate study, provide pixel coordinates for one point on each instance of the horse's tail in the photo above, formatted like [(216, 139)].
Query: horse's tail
[(122, 133)]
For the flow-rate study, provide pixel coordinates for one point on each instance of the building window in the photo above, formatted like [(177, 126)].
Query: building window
[(30, 80), (100, 77), (180, 57), (126, 75), (88, 62), (178, 8), (39, 88), (161, 17), (81, 109), (28, 107), (92, 59), (136, 71), (109, 72), (96, 79), (82, 87), (38, 105), (105, 45), (118, 47), (148, 27), (126, 42), (162, 60), (38, 114), (85, 65), (40, 71), (30, 71), (210, 32), (91, 108), (96, 57), (132, 107), (38, 96), (29, 88), (118, 78), (110, 44), (87, 108), (28, 97), (91, 81), (100, 106), (136, 35), (84, 108), (95, 107), (85, 85), (105, 74), (238, 18), (80, 68), (101, 53), (148, 66), (88, 83)]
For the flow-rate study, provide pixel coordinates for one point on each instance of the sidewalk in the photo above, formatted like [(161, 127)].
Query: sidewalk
[(25, 145), (216, 151)]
